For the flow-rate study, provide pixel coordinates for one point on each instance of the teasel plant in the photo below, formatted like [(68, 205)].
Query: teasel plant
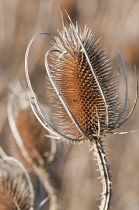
[(16, 189), (31, 142), (83, 94)]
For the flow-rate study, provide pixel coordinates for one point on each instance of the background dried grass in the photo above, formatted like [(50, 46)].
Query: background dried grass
[(117, 22)]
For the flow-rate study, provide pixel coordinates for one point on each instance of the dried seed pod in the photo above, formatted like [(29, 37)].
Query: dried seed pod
[(84, 81), (33, 135), (90, 96), (15, 191), (32, 145), (83, 94), (82, 87)]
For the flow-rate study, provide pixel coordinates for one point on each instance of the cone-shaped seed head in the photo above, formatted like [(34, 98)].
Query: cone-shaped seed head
[(14, 190), (85, 79), (32, 134)]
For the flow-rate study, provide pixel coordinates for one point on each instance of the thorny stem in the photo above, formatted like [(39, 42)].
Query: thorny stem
[(105, 176), (49, 189)]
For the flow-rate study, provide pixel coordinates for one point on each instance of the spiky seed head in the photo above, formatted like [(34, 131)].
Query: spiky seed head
[(29, 131), (33, 135), (81, 86), (83, 75), (14, 190)]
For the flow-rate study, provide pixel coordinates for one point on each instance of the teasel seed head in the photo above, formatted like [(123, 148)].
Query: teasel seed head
[(15, 190), (34, 146), (82, 86), (83, 76), (30, 141), (83, 94), (82, 90)]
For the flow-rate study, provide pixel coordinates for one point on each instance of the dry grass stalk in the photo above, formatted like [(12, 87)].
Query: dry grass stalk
[(84, 96)]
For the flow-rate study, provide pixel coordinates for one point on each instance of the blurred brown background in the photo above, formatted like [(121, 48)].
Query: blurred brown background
[(117, 22)]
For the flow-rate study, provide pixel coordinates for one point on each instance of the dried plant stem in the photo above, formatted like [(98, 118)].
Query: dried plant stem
[(48, 187), (105, 176)]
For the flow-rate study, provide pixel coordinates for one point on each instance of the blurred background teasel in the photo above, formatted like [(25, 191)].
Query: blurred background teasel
[(117, 22)]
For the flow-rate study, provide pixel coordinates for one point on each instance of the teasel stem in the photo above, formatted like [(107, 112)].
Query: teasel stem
[(48, 187), (105, 176)]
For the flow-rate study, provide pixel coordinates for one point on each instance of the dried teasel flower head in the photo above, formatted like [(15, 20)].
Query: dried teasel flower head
[(16, 190), (31, 144), (82, 87), (34, 145), (83, 94)]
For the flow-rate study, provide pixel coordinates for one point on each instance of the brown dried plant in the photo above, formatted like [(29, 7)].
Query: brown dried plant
[(31, 144), (83, 94), (16, 191)]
